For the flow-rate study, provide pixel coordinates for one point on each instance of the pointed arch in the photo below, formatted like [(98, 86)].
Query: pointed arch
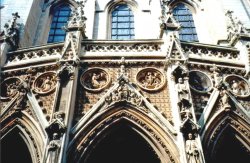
[(162, 142), (222, 126), (183, 12), (22, 126), (121, 19)]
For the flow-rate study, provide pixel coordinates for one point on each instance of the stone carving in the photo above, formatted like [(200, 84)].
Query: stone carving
[(183, 95), (53, 149), (45, 83), (192, 150), (235, 27), (224, 99), (9, 87), (199, 81), (77, 19), (56, 125), (95, 79), (10, 33), (150, 79), (238, 85), (123, 93)]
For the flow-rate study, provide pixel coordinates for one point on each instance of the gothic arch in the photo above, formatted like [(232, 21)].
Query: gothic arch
[(54, 4), (191, 4), (162, 143), (219, 126), (25, 128), (109, 7)]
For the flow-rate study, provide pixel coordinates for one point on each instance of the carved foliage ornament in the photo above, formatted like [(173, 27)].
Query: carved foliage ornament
[(238, 85), (9, 87), (200, 82), (150, 79), (45, 83), (95, 79)]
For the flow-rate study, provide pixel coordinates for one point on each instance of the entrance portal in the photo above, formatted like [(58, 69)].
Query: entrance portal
[(14, 149), (122, 145)]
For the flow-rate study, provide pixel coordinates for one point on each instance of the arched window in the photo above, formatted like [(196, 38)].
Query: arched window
[(60, 18), (183, 15), (122, 23)]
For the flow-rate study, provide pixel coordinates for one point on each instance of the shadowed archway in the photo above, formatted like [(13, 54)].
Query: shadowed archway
[(122, 144), (14, 148), (229, 149)]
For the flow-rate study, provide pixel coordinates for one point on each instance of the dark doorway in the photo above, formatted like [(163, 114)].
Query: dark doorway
[(14, 149), (230, 149), (122, 145)]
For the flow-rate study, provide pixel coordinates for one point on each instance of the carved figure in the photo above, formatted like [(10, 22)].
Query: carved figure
[(183, 94), (192, 150), (225, 100), (123, 91), (47, 84), (235, 87), (53, 149)]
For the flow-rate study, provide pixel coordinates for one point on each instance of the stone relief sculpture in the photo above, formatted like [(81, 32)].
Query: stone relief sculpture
[(150, 79), (238, 85), (123, 93), (95, 79), (192, 150), (9, 87), (45, 83)]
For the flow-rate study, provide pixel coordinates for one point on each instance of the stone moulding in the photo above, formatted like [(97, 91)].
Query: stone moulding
[(95, 79), (150, 79)]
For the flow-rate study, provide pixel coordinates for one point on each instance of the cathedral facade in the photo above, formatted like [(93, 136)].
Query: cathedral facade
[(125, 81)]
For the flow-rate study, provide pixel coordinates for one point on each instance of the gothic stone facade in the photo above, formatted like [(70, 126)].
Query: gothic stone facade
[(150, 99)]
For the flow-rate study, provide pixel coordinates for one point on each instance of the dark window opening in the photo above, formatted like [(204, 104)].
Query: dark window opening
[(183, 15), (60, 18)]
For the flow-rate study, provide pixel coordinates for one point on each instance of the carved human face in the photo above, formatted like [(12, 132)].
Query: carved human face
[(190, 136), (180, 80)]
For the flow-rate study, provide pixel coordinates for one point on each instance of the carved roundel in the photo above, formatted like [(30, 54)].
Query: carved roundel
[(45, 83), (150, 79), (9, 87), (95, 79), (238, 85), (200, 82)]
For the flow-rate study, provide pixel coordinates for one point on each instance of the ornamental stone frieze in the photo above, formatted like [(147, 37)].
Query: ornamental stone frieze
[(95, 79)]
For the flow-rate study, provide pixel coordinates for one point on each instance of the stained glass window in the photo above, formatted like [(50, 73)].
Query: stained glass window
[(60, 18), (122, 24), (183, 15)]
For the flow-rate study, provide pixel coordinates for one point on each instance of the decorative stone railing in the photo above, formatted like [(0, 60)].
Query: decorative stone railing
[(210, 52), (111, 46), (34, 53)]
